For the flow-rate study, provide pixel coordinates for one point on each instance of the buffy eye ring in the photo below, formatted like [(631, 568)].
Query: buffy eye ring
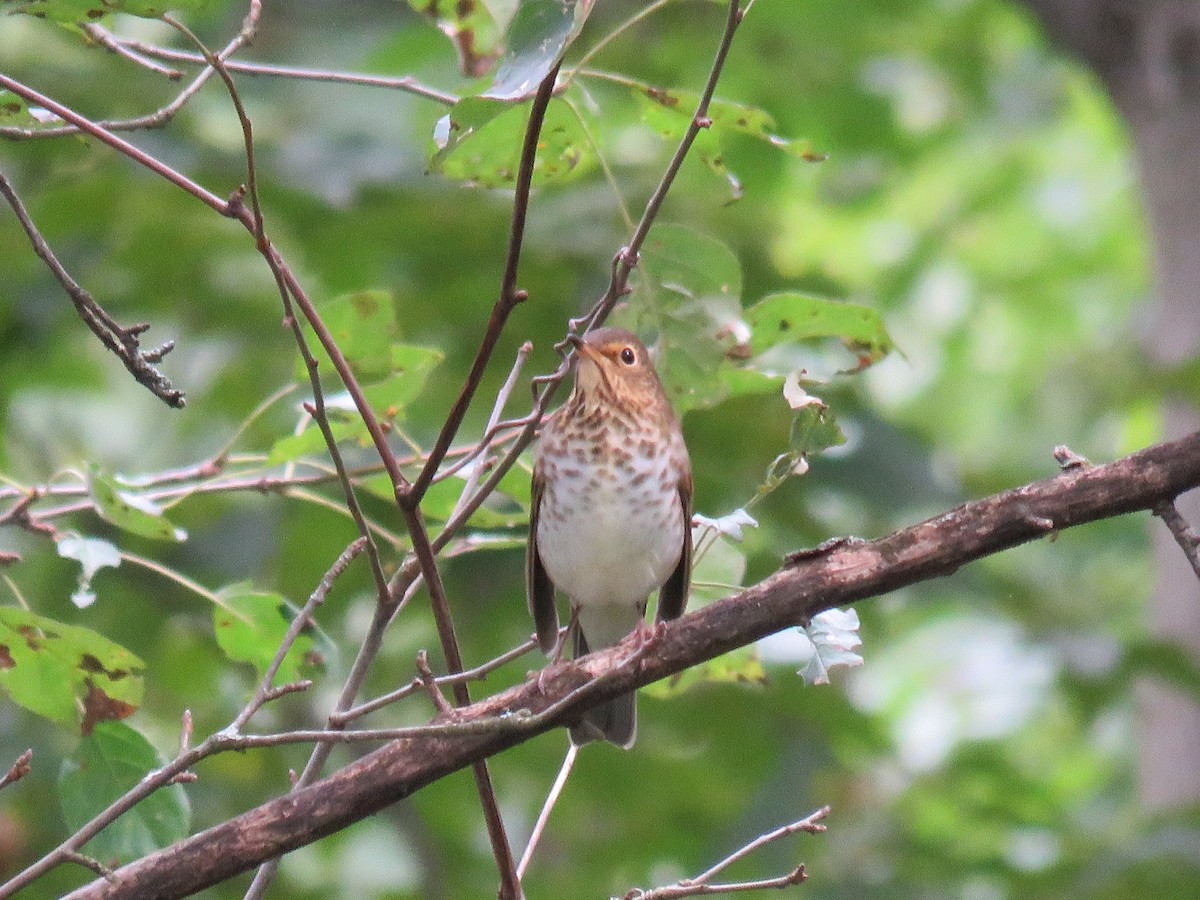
[(628, 356)]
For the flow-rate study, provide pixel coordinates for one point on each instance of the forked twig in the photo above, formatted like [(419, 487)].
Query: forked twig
[(701, 885), (124, 342)]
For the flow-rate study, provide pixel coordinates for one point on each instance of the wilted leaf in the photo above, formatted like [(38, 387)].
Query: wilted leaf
[(47, 666), (815, 429), (834, 637), (106, 765), (93, 555), (729, 525), (670, 113)]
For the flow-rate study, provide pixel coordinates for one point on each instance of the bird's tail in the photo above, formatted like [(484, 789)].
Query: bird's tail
[(614, 721)]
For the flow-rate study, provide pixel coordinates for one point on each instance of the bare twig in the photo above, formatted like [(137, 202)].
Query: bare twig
[(88, 863), (797, 876), (509, 295), (1187, 539), (107, 40), (502, 396), (124, 342), (627, 259), (266, 692), (426, 677), (17, 770), (478, 673), (810, 824), (156, 119), (560, 781)]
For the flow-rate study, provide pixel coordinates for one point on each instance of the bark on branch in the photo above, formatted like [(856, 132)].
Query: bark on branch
[(839, 572)]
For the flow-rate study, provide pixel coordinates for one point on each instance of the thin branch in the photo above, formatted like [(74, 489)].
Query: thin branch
[(123, 146), (156, 119), (797, 876), (263, 693), (1187, 539), (810, 824), (110, 42), (88, 863), (502, 396), (509, 295), (628, 257), (560, 782), (125, 343), (479, 673), (835, 574), (404, 83)]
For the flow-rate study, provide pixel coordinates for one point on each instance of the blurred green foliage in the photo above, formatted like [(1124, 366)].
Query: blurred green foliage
[(977, 195)]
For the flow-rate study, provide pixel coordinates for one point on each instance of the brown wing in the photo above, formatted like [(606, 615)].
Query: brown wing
[(672, 597), (539, 589)]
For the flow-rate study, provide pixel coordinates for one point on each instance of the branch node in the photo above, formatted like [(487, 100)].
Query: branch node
[(19, 769), (235, 206), (1068, 459), (824, 548), (430, 681)]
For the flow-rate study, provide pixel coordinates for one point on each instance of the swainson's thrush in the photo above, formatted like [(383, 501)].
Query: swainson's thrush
[(612, 509)]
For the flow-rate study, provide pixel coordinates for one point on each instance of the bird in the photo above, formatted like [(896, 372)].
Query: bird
[(611, 513)]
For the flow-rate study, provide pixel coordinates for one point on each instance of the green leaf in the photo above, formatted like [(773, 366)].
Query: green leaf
[(466, 118), (484, 147), (93, 555), (742, 665), (72, 12), (670, 112), (537, 37), (129, 511), (471, 27), (789, 317), (815, 429), (364, 326), (250, 625), (55, 670), (105, 766), (689, 303), (14, 111), (690, 263), (311, 442), (498, 511), (409, 369)]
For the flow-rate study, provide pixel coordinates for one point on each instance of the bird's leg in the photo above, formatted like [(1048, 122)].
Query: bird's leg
[(561, 647), (556, 658)]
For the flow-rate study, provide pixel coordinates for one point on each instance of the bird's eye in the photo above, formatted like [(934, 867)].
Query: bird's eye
[(628, 356)]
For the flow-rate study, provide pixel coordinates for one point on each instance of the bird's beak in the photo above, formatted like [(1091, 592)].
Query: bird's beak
[(587, 351)]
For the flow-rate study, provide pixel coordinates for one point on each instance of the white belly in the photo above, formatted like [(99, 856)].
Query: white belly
[(606, 542)]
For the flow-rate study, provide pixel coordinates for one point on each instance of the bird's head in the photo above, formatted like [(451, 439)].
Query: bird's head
[(615, 368)]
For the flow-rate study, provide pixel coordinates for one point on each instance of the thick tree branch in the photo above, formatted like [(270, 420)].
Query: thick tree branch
[(839, 572)]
